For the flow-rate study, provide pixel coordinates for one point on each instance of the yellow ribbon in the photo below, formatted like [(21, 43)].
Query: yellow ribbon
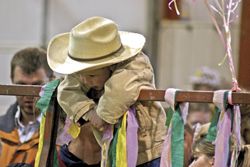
[(121, 149), (74, 130), (40, 145)]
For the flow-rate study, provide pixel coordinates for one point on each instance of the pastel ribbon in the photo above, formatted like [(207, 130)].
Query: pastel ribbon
[(175, 6), (47, 92), (226, 11), (236, 132), (212, 131), (229, 119), (112, 149), (65, 136), (173, 147), (166, 150), (41, 137), (132, 138), (123, 149), (105, 144), (121, 152), (42, 104)]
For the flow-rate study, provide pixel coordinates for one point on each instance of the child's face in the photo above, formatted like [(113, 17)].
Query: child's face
[(202, 160), (96, 79)]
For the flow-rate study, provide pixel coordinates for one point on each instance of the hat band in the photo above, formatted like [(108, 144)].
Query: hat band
[(120, 49)]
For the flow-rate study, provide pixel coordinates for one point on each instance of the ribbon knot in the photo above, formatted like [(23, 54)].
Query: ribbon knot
[(173, 147)]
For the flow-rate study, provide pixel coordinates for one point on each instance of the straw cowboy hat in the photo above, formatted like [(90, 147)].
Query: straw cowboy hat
[(94, 43)]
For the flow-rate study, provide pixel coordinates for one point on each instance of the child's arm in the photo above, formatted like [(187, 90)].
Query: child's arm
[(123, 88), (71, 97)]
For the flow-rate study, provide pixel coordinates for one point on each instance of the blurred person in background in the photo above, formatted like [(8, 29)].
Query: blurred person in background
[(204, 79), (204, 151), (245, 123), (19, 127)]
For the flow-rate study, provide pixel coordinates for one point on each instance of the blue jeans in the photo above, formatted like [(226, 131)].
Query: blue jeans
[(70, 160), (153, 163)]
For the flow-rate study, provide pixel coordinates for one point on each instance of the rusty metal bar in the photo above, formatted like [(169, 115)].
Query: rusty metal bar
[(154, 95)]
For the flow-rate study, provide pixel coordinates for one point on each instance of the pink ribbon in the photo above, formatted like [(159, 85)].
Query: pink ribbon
[(64, 137), (106, 140), (222, 144), (175, 6), (166, 151), (132, 138), (226, 10), (224, 131), (166, 159)]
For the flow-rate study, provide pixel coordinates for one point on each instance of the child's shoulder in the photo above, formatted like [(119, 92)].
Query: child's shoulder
[(140, 60)]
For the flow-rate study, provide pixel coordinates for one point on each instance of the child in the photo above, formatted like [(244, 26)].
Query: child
[(105, 71)]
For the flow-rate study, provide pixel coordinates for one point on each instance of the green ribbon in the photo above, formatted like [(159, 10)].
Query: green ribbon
[(55, 162), (169, 115), (43, 104), (112, 150), (177, 139), (212, 131), (49, 89)]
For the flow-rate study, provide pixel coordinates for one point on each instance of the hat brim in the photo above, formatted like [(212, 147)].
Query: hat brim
[(60, 62)]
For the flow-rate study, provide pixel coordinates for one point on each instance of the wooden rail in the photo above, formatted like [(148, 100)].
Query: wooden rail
[(51, 124), (20, 90), (193, 96), (154, 95)]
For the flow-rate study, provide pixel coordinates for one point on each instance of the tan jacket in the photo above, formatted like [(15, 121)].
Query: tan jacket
[(121, 91)]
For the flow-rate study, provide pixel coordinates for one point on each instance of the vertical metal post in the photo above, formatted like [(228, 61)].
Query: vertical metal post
[(44, 25), (154, 18)]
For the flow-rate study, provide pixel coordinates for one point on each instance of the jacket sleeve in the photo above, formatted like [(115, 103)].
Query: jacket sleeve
[(123, 87), (72, 99)]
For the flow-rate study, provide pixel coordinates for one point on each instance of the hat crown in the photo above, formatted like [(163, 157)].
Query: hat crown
[(92, 44), (94, 38)]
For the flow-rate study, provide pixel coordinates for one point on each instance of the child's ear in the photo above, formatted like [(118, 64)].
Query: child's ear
[(211, 161)]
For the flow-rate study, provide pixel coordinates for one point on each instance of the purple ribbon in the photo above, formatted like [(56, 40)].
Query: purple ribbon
[(132, 138), (166, 150), (222, 144), (64, 137), (106, 140), (167, 160), (222, 139)]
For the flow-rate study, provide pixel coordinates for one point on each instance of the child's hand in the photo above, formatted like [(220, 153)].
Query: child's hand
[(96, 121)]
